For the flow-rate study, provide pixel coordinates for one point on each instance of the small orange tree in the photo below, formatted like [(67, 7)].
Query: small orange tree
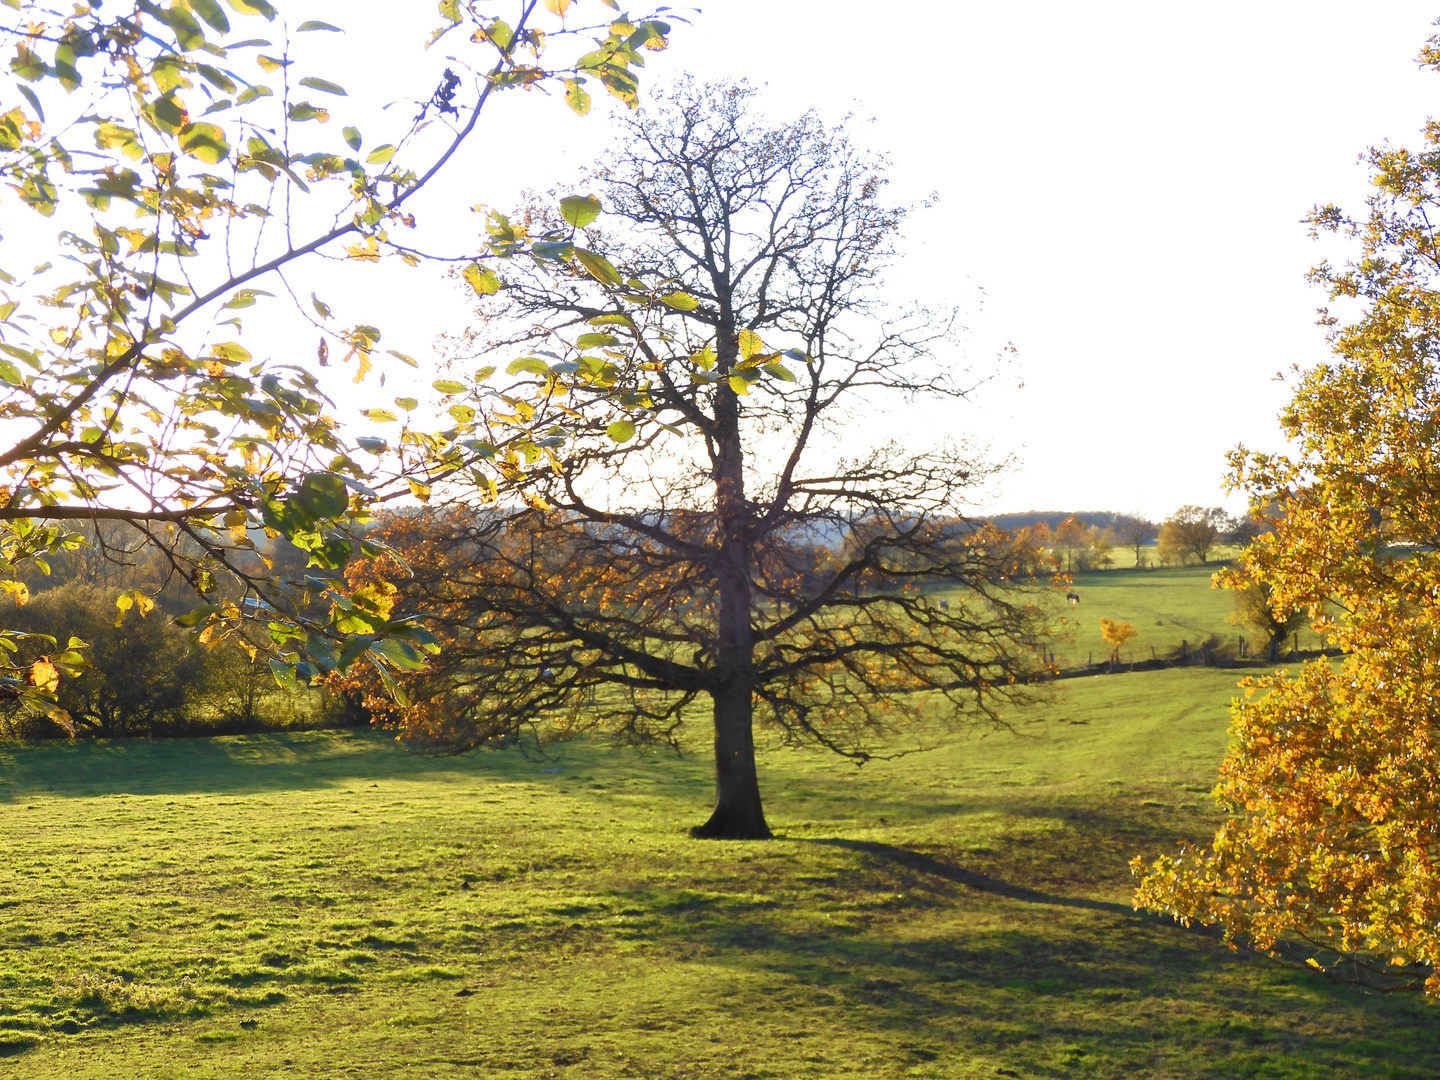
[(1116, 634), (1333, 777)]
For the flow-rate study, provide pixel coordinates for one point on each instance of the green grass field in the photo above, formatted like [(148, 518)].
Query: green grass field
[(1167, 606), (325, 905)]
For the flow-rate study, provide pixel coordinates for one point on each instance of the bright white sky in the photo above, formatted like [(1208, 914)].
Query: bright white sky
[(1123, 180)]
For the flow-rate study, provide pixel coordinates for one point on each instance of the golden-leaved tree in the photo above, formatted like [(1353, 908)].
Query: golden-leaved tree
[(1333, 777), (186, 166)]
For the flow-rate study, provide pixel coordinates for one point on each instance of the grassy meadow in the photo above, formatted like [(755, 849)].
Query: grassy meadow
[(327, 905), (1168, 606)]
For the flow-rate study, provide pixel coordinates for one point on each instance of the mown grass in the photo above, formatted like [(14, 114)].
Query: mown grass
[(1167, 606), (326, 905)]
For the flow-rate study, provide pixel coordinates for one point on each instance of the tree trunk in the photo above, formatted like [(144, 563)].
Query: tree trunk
[(738, 814)]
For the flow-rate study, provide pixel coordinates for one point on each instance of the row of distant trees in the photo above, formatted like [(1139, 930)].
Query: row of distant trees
[(1084, 542)]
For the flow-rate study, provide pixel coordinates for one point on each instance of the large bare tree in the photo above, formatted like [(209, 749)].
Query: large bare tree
[(711, 523)]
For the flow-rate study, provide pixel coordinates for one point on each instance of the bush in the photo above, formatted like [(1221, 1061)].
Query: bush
[(140, 675)]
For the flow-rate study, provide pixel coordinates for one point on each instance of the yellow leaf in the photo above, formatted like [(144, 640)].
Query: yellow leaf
[(44, 676), (63, 718), (481, 279), (367, 250), (420, 491)]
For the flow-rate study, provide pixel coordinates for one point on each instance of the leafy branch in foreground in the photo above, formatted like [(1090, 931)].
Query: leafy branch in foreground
[(188, 165)]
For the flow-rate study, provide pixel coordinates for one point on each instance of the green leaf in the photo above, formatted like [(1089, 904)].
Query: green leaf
[(680, 301), (284, 673), (167, 114), (212, 13), (595, 341), (614, 319), (580, 210), (403, 358), (381, 154), (323, 85), (779, 371), (321, 308), (28, 65), (481, 279), (400, 653), (553, 250), (409, 404), (205, 142), (29, 95), (232, 351), (352, 138), (10, 373), (449, 386), (621, 431), (65, 69), (253, 7), (303, 110), (216, 78), (316, 24), (463, 414), (380, 416), (532, 364), (245, 298), (193, 617), (320, 495), (598, 266)]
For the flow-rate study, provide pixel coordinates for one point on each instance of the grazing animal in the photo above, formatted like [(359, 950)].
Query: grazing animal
[(945, 605), (1073, 599)]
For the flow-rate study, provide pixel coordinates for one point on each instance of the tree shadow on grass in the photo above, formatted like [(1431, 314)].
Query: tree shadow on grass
[(245, 764), (928, 864), (301, 761), (1052, 984)]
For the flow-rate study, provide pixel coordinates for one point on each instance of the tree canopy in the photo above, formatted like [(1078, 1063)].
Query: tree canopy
[(706, 528), (1191, 532), (1333, 777), (186, 165)]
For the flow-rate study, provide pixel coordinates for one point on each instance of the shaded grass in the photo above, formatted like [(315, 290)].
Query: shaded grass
[(326, 905)]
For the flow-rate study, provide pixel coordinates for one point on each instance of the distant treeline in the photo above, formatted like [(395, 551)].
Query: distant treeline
[(1098, 519)]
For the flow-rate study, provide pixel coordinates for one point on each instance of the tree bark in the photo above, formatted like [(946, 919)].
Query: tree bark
[(738, 814)]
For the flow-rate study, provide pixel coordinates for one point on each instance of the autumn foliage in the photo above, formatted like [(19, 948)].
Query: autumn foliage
[(1116, 634), (1333, 777)]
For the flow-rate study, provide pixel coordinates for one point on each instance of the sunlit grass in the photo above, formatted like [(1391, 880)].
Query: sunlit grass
[(1167, 606), (325, 904)]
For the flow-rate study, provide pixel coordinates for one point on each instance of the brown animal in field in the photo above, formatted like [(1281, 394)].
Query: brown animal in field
[(1073, 599)]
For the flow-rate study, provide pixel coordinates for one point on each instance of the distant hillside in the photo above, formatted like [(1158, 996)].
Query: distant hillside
[(1099, 518)]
